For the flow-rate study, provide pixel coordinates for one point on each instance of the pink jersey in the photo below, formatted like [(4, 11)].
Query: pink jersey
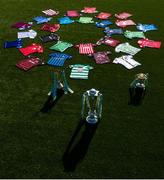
[(86, 48)]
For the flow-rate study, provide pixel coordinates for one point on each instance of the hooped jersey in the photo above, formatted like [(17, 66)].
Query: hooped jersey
[(80, 71)]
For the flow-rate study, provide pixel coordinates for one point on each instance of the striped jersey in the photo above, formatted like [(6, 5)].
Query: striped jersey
[(86, 48), (58, 59), (50, 12), (80, 71)]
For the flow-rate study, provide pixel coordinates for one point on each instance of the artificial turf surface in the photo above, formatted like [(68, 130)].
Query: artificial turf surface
[(128, 142)]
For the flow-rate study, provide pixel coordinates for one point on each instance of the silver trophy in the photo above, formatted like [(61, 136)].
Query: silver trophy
[(92, 106)]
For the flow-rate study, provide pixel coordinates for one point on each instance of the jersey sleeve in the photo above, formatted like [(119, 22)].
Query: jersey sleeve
[(90, 67)]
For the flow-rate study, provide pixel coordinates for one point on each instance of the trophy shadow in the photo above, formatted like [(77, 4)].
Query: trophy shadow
[(50, 103), (76, 151)]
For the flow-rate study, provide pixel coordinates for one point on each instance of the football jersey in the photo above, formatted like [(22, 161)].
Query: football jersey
[(85, 48), (89, 10), (80, 71), (123, 15), (127, 61), (101, 57), (73, 13), (29, 63), (50, 12), (58, 59), (61, 46)]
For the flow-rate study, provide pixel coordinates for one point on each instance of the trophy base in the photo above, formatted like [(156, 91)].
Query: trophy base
[(92, 120)]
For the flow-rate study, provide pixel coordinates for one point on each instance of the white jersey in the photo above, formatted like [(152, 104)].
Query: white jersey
[(127, 61)]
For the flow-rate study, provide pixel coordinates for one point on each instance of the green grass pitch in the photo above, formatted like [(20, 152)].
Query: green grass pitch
[(128, 142)]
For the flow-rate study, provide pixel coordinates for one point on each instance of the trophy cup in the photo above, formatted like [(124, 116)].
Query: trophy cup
[(92, 106)]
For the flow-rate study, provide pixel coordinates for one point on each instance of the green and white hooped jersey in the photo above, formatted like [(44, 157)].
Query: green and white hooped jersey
[(80, 71)]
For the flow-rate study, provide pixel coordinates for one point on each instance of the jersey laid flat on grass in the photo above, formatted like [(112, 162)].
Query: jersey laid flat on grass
[(27, 64), (127, 61), (50, 12), (85, 48), (61, 46), (58, 59), (80, 71)]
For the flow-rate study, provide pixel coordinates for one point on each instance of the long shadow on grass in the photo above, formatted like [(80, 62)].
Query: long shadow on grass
[(75, 153), (50, 103)]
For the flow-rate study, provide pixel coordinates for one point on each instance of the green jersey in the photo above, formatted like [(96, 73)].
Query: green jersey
[(80, 71)]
